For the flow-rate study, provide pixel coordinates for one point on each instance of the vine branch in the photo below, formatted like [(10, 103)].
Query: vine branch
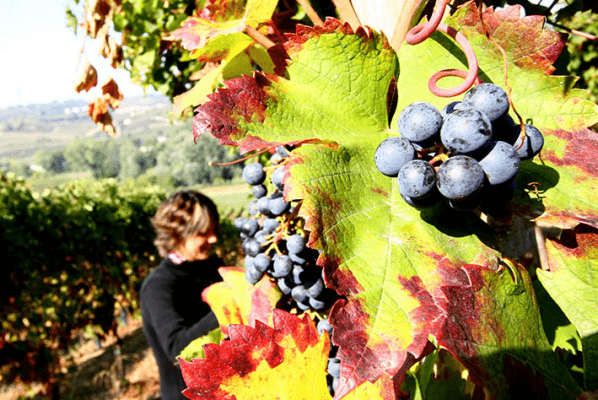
[(311, 13), (347, 12)]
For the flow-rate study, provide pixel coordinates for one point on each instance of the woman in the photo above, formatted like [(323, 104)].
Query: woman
[(187, 226)]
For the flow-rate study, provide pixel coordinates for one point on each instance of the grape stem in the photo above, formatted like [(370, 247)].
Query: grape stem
[(541, 243), (421, 32)]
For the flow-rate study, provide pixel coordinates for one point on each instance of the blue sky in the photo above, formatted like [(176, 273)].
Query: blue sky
[(38, 55)]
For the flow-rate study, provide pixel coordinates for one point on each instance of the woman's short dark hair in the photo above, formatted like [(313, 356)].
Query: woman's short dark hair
[(184, 214)]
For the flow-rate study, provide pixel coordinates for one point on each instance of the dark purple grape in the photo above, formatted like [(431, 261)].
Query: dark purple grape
[(466, 131), (488, 98), (250, 226), (420, 123), (501, 164), (282, 151), (316, 304), (284, 285), (254, 174), (282, 265), (277, 177), (259, 190), (278, 206), (460, 178), (300, 294), (334, 367), (262, 262), (252, 275), (324, 325), (270, 224), (417, 179), (316, 288), (392, 153), (295, 244), (529, 146), (263, 205), (253, 247)]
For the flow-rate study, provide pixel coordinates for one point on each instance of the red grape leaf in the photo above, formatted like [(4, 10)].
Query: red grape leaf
[(112, 93), (234, 301), (88, 79), (286, 361), (197, 32), (524, 39), (98, 111)]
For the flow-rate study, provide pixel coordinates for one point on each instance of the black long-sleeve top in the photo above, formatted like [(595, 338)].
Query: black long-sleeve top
[(174, 315)]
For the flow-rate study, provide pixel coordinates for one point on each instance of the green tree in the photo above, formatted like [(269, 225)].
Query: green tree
[(52, 161)]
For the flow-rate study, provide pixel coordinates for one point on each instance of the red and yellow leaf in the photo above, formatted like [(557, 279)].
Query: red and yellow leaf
[(286, 361)]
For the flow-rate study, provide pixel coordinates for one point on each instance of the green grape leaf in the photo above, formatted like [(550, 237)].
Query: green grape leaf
[(573, 284), (404, 272)]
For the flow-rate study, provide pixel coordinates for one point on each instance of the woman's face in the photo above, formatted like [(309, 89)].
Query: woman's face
[(196, 248)]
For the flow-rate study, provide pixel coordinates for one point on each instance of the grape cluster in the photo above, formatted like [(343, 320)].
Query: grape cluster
[(274, 241), (469, 153)]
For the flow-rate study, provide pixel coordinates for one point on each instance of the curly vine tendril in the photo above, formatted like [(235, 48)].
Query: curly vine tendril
[(423, 31)]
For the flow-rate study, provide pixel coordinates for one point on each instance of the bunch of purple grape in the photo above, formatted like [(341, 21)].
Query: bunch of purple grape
[(275, 246), (469, 153)]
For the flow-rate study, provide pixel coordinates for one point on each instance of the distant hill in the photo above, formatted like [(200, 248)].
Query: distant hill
[(26, 129)]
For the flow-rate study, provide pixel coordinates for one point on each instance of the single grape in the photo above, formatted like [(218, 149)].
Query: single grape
[(285, 285), (300, 294), (324, 325), (278, 206), (282, 265), (248, 261), (295, 244), (239, 222), (253, 247), (465, 131), (315, 289), (420, 123), (282, 151), (488, 98), (392, 153), (262, 262), (263, 205), (253, 208), (334, 367), (277, 177), (316, 304), (529, 146), (261, 236), (252, 275), (250, 226), (270, 224), (254, 174), (417, 179), (460, 178), (501, 164), (259, 190)]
